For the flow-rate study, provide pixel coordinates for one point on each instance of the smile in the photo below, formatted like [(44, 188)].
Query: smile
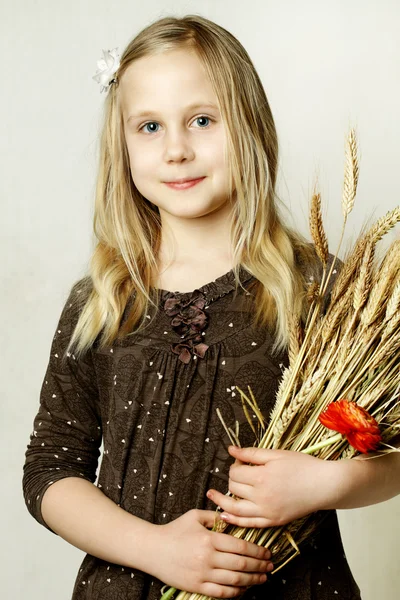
[(184, 185)]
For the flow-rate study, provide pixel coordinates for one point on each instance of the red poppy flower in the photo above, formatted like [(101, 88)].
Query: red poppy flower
[(353, 421)]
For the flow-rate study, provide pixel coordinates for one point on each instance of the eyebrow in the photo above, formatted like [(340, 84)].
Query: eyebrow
[(149, 113)]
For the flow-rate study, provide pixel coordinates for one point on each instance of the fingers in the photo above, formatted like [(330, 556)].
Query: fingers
[(205, 517), (228, 543), (244, 473), (255, 456), (215, 590), (255, 522), (237, 462), (240, 489), (236, 578), (239, 507), (244, 564)]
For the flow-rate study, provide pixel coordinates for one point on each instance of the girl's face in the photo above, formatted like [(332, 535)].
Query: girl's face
[(180, 136)]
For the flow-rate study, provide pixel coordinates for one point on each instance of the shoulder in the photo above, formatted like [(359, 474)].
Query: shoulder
[(76, 299), (310, 265), (312, 269)]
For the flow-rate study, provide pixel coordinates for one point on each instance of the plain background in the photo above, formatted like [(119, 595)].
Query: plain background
[(326, 66)]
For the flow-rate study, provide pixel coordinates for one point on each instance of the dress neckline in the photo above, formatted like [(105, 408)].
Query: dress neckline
[(218, 287)]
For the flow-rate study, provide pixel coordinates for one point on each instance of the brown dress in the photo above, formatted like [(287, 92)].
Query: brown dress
[(152, 399)]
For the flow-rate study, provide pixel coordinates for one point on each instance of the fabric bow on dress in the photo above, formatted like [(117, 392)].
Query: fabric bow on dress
[(188, 320)]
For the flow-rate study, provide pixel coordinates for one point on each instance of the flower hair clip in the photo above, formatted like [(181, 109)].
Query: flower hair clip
[(106, 68)]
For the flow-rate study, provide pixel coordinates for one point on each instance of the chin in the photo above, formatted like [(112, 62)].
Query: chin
[(186, 214), (192, 211)]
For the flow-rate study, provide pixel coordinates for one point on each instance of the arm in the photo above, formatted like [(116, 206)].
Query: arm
[(181, 553), (81, 514), (285, 485), (362, 481), (67, 428), (62, 458)]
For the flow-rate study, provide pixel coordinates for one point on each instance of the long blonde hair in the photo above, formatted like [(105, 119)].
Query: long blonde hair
[(128, 227)]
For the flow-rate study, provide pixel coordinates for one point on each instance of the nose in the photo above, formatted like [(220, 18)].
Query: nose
[(178, 146)]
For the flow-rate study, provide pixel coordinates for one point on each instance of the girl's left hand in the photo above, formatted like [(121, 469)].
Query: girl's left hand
[(283, 486)]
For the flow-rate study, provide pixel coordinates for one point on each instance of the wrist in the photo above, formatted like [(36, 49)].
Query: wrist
[(142, 541), (158, 552), (335, 483)]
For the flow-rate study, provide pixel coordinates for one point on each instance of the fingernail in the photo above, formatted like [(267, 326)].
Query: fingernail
[(224, 517), (270, 567)]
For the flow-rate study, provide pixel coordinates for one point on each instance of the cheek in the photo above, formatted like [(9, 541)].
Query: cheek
[(218, 156), (140, 162), (140, 156), (220, 163), (142, 173)]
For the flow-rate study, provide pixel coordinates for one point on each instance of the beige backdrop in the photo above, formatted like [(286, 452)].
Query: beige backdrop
[(325, 66)]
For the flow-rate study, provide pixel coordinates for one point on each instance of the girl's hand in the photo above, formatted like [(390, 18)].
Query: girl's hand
[(283, 486), (192, 558)]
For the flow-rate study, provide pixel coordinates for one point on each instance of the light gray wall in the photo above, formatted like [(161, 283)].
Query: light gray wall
[(325, 66)]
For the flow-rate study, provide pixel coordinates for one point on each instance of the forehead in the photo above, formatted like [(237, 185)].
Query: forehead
[(166, 80)]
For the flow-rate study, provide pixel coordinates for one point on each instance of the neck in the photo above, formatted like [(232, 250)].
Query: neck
[(193, 241)]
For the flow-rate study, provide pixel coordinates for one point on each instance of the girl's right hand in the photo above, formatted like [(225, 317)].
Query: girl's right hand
[(194, 559)]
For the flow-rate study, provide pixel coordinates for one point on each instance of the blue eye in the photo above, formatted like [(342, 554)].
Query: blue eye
[(150, 123), (202, 117), (155, 123)]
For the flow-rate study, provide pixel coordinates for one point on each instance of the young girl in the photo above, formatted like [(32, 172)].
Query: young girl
[(185, 201)]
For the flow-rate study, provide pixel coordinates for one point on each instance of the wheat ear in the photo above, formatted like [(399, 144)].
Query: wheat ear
[(349, 269), (382, 283), (385, 224), (350, 175), (317, 229)]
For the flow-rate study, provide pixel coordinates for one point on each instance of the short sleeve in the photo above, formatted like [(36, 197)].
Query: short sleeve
[(67, 428)]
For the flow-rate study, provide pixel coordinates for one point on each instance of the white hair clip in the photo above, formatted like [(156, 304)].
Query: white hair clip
[(107, 66)]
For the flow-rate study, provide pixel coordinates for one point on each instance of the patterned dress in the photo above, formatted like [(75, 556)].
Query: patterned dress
[(152, 399)]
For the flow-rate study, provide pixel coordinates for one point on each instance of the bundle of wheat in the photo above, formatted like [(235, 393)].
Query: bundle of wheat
[(343, 371)]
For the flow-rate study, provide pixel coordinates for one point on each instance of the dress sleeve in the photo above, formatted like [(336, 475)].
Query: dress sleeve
[(67, 429)]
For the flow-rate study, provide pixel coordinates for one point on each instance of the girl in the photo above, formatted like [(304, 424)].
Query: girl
[(185, 201)]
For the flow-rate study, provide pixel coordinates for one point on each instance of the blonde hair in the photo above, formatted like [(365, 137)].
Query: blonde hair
[(128, 227)]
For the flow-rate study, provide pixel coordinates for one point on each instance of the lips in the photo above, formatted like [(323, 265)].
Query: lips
[(181, 184), (184, 180)]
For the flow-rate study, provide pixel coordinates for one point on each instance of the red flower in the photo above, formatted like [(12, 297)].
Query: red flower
[(353, 421)]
